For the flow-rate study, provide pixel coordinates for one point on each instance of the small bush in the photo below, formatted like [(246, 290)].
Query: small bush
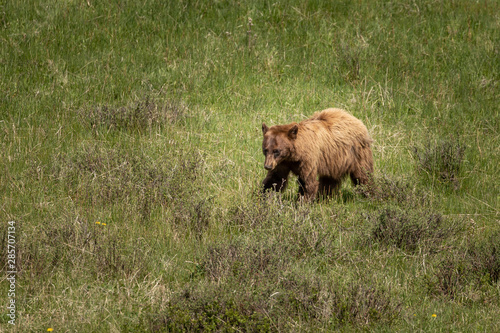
[(103, 176), (100, 176), (365, 305), (254, 213), (46, 248), (299, 230), (409, 230), (485, 258), (402, 191), (190, 209), (211, 310), (143, 115), (240, 262), (349, 61), (450, 277), (71, 243), (332, 305), (442, 160), (257, 281), (475, 266), (276, 304)]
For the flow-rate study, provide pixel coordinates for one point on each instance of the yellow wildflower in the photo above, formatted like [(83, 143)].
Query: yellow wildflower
[(434, 315)]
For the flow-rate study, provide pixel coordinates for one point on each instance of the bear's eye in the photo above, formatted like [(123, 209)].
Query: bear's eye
[(276, 152), (265, 151)]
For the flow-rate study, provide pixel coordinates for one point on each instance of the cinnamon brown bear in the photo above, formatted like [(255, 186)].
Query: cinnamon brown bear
[(321, 151)]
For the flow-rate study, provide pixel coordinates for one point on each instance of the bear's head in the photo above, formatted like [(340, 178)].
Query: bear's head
[(278, 145)]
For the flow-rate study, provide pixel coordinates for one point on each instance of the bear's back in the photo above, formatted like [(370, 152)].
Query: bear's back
[(340, 126), (334, 119), (331, 116)]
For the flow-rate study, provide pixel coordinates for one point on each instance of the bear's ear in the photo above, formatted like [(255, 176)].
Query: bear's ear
[(264, 128), (292, 132)]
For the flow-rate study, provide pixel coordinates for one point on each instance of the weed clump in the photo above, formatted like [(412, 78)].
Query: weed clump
[(476, 266), (349, 60), (73, 243), (100, 176), (129, 187), (195, 310), (402, 191), (450, 278), (255, 286), (442, 160), (255, 213), (409, 230), (280, 305), (190, 210), (300, 232), (240, 262), (143, 115), (485, 258), (332, 305)]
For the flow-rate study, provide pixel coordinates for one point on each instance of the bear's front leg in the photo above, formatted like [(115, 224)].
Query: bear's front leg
[(308, 186), (276, 179)]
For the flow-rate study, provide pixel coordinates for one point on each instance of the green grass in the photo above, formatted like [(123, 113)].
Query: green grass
[(146, 116)]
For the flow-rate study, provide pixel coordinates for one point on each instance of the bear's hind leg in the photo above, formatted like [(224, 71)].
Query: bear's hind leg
[(358, 179), (363, 178), (327, 186), (362, 171)]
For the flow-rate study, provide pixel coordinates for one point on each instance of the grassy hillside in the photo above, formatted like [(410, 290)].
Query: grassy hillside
[(130, 161)]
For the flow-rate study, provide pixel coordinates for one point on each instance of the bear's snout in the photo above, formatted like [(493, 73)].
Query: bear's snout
[(270, 163)]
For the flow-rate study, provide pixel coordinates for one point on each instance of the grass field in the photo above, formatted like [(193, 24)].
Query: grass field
[(130, 162)]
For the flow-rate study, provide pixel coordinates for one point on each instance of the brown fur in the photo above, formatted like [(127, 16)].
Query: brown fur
[(321, 151)]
